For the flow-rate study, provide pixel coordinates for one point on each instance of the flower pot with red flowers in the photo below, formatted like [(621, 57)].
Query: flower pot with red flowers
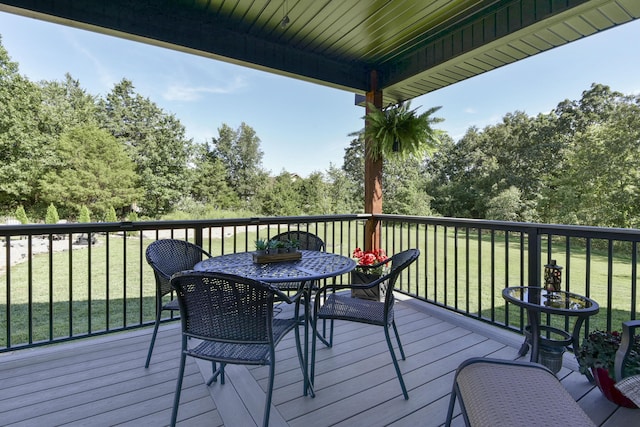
[(370, 267), (598, 354)]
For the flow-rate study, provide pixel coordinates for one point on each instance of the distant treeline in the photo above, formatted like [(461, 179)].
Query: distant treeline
[(91, 156)]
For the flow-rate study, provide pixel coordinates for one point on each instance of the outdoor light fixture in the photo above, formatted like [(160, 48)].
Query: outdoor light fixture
[(285, 12), (552, 276)]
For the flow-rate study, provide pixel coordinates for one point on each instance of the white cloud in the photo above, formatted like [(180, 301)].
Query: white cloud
[(470, 110), (181, 92)]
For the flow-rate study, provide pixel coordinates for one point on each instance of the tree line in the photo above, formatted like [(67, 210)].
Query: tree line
[(578, 164), (82, 153)]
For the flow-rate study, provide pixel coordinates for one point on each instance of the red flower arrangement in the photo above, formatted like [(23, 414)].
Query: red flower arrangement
[(369, 258)]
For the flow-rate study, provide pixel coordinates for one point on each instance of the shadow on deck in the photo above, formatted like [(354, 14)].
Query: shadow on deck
[(102, 381)]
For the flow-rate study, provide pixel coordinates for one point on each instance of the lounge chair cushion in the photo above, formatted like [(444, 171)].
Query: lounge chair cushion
[(511, 395)]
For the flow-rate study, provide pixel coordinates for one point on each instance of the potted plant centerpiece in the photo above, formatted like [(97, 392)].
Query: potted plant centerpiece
[(272, 247), (261, 246), (370, 266), (293, 245), (598, 354)]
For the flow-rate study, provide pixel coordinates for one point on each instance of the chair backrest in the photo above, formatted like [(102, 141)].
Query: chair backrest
[(224, 307), (629, 343), (399, 262), (170, 256), (307, 240)]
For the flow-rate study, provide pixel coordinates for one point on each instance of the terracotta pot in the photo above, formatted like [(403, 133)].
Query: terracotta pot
[(606, 386)]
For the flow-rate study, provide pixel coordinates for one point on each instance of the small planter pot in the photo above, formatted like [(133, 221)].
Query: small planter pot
[(377, 293), (606, 386)]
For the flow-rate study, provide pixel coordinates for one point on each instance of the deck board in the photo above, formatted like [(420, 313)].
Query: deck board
[(102, 381)]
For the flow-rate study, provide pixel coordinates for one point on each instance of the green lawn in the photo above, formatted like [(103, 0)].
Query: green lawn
[(451, 270)]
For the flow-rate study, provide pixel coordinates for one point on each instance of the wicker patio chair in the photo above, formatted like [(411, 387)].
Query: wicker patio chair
[(629, 385), (341, 306), (495, 393), (233, 317), (167, 257), (306, 241)]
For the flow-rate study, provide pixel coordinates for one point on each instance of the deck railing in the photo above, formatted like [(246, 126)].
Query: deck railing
[(57, 287)]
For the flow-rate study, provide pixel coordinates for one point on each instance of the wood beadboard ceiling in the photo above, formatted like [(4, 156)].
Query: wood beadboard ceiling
[(416, 46)]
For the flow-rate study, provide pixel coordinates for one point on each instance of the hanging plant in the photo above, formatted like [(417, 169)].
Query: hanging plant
[(399, 131)]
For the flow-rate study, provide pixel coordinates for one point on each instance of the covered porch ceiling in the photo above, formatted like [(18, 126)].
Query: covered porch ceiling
[(415, 47)]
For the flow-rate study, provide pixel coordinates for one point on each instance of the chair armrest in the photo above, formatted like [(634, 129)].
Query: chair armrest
[(286, 298), (343, 286), (372, 266), (628, 336)]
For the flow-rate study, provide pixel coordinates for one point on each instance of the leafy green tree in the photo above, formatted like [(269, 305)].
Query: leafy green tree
[(596, 105), (95, 171), (85, 215), (505, 206), (600, 181), (342, 192), (155, 141), (404, 188), (315, 193), (210, 183), (239, 151), (353, 167), (576, 165), (483, 165), (25, 150), (66, 105), (52, 216), (281, 196), (21, 215), (597, 168)]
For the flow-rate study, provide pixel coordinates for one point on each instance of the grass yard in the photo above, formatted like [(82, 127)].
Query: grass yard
[(110, 285)]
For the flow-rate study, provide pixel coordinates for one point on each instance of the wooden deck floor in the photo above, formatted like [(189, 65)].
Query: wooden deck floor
[(103, 382)]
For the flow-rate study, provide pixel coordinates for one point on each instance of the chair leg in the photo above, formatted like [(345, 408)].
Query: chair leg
[(176, 398), (217, 373), (395, 329), (322, 336), (304, 359), (395, 363), (267, 405), (328, 343), (153, 337), (452, 404)]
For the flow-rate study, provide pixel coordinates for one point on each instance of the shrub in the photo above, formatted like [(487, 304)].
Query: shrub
[(21, 215), (85, 215), (111, 215), (52, 215)]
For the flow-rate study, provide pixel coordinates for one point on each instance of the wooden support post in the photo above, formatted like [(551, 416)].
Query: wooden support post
[(372, 175)]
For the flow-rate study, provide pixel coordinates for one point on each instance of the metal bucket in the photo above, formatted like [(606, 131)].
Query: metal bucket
[(551, 357)]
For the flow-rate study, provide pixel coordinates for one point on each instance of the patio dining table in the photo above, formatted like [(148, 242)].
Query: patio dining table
[(312, 266)]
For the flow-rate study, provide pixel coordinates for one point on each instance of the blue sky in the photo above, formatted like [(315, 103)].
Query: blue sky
[(304, 127)]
